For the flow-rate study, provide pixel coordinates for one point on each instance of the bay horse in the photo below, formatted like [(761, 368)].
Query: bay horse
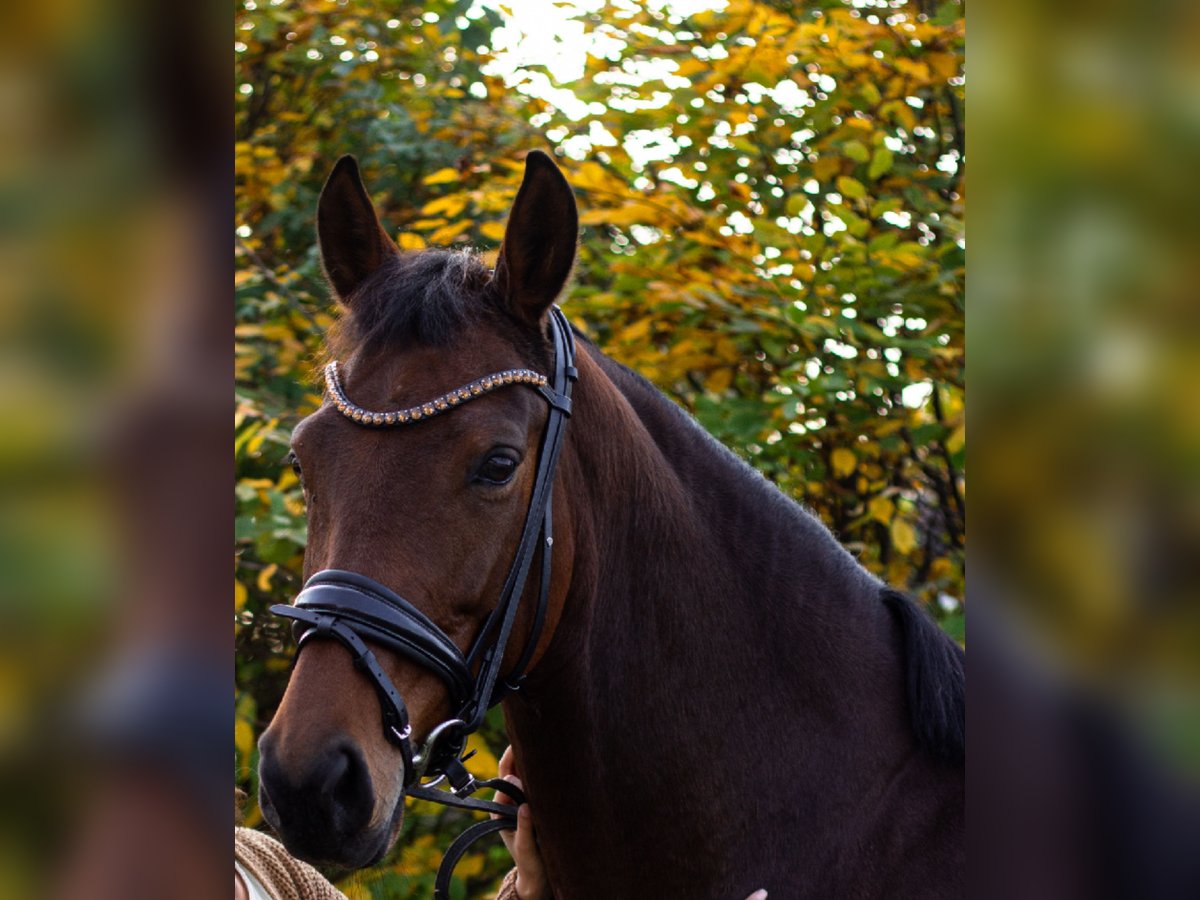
[(717, 697)]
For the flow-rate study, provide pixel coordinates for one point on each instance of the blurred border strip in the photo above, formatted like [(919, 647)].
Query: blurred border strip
[(1084, 373), (115, 379)]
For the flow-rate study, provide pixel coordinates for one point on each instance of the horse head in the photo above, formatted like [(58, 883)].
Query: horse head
[(419, 473)]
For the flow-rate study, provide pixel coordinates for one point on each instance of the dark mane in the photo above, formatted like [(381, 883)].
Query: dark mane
[(935, 670), (936, 681), (426, 297)]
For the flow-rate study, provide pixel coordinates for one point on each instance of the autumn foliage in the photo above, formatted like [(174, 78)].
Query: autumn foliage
[(771, 200)]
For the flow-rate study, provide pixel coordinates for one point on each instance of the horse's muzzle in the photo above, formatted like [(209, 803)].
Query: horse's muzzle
[(323, 814)]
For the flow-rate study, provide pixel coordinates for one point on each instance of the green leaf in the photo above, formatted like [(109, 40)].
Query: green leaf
[(881, 163), (856, 151), (849, 187), (796, 203)]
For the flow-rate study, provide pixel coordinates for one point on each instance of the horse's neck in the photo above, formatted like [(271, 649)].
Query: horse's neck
[(687, 564), (712, 629), (679, 535)]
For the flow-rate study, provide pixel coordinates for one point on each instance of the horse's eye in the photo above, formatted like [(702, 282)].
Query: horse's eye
[(498, 468), (294, 463)]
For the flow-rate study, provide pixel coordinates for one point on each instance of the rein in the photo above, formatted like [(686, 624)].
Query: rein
[(352, 609)]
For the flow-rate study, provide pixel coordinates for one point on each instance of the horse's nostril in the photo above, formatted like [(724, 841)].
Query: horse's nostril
[(345, 788), (316, 808)]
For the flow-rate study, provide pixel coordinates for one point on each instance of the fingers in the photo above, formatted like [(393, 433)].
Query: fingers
[(507, 835), (531, 875), (508, 765), (521, 843), (760, 894)]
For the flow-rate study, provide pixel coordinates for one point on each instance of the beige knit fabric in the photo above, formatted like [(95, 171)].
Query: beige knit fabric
[(284, 876), (287, 878), (508, 888)]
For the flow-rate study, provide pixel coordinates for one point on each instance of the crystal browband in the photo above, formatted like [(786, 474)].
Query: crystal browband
[(454, 398)]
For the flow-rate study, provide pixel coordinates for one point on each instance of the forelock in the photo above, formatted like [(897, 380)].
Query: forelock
[(427, 297)]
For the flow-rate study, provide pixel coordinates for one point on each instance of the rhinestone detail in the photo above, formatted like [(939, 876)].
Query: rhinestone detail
[(449, 400)]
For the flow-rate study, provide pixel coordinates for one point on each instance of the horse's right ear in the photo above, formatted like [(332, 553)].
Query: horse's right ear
[(353, 243)]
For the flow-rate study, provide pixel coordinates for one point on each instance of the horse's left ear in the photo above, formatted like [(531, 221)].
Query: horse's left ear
[(539, 241)]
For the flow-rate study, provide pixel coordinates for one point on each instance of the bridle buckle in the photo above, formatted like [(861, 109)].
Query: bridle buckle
[(426, 755)]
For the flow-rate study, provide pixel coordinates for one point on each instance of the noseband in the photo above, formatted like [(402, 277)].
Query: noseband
[(353, 609)]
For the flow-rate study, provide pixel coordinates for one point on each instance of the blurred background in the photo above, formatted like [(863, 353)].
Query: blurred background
[(773, 202)]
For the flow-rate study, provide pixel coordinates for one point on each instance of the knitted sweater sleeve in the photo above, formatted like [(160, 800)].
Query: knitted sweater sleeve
[(284, 876), (508, 887)]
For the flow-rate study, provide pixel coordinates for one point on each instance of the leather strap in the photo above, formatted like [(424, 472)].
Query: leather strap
[(389, 619), (395, 714), (454, 853), (514, 682), (441, 886)]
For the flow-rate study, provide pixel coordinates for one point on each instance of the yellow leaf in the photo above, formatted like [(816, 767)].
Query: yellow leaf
[(880, 509), (634, 332), (493, 231), (918, 71), (941, 568), (410, 241), (904, 537), (450, 206), (844, 462), (594, 177), (693, 67), (826, 167), (719, 380), (471, 865), (943, 65), (264, 577), (447, 233), (958, 437), (484, 763), (240, 595), (243, 738), (441, 176), (629, 214)]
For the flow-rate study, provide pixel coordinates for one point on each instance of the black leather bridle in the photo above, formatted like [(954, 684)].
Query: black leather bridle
[(353, 609)]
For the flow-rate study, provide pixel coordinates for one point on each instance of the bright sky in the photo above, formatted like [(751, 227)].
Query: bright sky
[(541, 32)]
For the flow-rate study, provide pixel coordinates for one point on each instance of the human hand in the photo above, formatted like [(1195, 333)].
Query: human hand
[(522, 843)]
